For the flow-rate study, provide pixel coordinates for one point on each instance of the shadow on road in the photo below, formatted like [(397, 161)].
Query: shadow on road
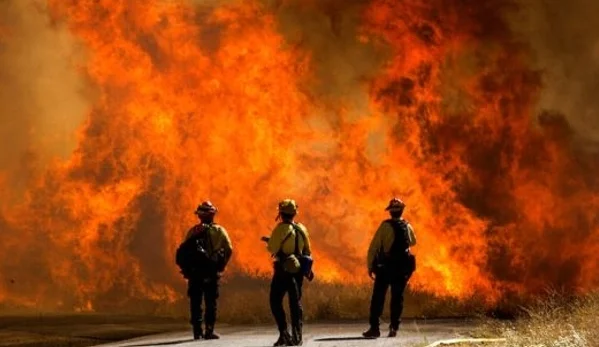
[(167, 343), (330, 339), (343, 338)]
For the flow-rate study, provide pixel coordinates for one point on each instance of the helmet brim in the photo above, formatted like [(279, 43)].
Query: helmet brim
[(200, 212)]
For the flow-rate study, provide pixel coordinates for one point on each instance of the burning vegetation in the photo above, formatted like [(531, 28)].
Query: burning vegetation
[(338, 104)]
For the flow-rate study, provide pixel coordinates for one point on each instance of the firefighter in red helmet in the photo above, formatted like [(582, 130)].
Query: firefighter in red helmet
[(390, 264), (202, 258)]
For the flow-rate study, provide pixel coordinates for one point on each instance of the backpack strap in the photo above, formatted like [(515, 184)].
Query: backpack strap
[(209, 238), (282, 243), (298, 233)]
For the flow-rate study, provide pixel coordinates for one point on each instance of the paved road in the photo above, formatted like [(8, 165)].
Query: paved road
[(315, 335)]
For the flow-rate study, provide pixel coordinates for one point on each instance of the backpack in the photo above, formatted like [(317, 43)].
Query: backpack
[(192, 256), (401, 241), (399, 260)]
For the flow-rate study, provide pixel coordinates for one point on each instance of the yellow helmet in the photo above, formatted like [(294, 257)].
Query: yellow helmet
[(288, 206)]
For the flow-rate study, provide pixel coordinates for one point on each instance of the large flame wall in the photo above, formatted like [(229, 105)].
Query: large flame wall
[(338, 104)]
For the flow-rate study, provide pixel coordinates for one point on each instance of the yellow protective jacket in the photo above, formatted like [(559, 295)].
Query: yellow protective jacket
[(383, 239), (218, 239), (280, 233)]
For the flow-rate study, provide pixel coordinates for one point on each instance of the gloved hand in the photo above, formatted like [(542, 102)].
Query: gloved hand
[(371, 274)]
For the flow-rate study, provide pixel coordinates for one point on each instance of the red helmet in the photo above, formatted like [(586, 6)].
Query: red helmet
[(395, 204), (206, 208)]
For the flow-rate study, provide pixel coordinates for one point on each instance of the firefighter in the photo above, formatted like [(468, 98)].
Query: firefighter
[(202, 258), (289, 245), (390, 264)]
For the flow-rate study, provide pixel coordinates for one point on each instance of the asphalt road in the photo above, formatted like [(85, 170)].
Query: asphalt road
[(412, 333)]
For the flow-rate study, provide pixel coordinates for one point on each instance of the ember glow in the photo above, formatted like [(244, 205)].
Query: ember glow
[(221, 100)]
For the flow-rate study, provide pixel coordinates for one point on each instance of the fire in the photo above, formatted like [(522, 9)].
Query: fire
[(213, 101)]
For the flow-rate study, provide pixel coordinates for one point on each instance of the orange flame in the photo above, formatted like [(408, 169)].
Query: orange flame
[(213, 102)]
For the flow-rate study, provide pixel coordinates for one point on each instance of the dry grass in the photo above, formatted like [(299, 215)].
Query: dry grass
[(554, 321), (245, 301)]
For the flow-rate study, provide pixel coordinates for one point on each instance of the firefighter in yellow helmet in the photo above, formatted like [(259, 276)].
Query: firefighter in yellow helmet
[(289, 245), (202, 257), (390, 264)]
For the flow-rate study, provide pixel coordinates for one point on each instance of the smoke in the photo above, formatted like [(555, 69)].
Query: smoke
[(330, 33), (343, 62), (565, 40), (42, 95), (43, 101)]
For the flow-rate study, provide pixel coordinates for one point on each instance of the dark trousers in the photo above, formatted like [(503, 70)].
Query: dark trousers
[(382, 282), (282, 283), (203, 290)]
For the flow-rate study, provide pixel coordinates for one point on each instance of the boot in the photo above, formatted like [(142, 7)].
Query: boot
[(392, 332), (296, 339), (210, 335), (197, 332), (284, 339), (372, 333)]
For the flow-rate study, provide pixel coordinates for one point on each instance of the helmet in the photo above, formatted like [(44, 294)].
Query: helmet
[(288, 206), (206, 208), (395, 204)]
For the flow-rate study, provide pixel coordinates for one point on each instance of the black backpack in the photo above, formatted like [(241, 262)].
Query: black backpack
[(401, 242), (400, 260), (193, 258)]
